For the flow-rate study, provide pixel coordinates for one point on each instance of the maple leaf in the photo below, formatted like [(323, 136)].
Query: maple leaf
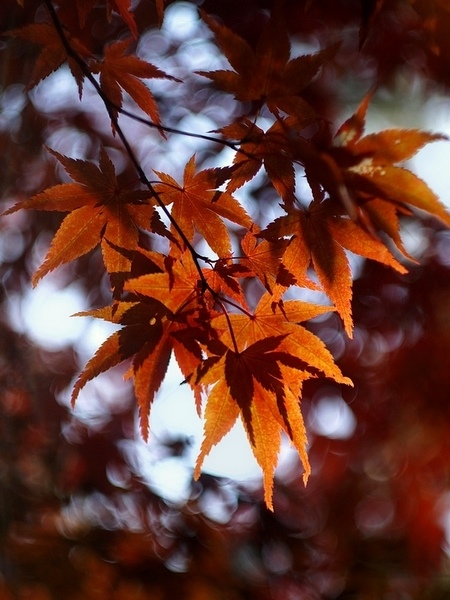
[(319, 238), (257, 370), (254, 389), (168, 316), (177, 286), (257, 148), (267, 74), (272, 320), (122, 7), (223, 279), (262, 257), (198, 205), (368, 165), (119, 70), (146, 336), (101, 212), (53, 53)]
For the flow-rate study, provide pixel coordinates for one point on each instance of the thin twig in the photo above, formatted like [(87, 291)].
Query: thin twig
[(110, 108), (113, 110)]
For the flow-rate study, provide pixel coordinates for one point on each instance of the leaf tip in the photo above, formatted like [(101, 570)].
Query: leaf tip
[(268, 496)]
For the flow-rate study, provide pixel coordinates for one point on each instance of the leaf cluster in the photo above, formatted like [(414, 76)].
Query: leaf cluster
[(221, 290)]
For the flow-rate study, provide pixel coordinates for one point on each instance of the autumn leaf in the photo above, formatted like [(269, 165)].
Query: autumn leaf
[(269, 320), (267, 74), (253, 388), (369, 164), (176, 286), (197, 205), (224, 277), (121, 7), (100, 212), (263, 258), (257, 370), (384, 216), (259, 148), (120, 70), (319, 239), (179, 288), (53, 53), (146, 337), (167, 314)]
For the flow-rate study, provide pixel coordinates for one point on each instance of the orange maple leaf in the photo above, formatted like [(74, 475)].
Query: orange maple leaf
[(366, 167), (267, 74), (257, 370), (145, 336), (224, 277), (168, 313), (198, 205), (283, 319), (101, 212), (319, 239), (250, 383), (177, 286), (53, 53), (120, 70), (263, 258)]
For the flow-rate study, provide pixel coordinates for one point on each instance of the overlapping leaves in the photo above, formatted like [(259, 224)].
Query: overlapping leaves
[(240, 344)]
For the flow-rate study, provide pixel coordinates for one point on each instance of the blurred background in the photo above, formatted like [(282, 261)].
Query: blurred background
[(87, 510)]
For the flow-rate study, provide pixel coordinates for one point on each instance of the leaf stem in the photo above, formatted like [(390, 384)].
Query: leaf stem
[(230, 326)]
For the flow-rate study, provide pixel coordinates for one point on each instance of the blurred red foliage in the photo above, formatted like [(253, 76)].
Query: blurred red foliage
[(79, 521)]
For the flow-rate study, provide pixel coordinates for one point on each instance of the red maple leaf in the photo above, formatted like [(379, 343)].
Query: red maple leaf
[(120, 70), (122, 7), (53, 53), (267, 74)]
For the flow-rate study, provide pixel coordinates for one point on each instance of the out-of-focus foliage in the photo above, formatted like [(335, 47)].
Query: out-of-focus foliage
[(77, 517), (78, 522)]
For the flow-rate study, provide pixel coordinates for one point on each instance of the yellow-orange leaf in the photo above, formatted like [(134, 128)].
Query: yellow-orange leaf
[(259, 147), (319, 239), (263, 258), (249, 383), (398, 185), (257, 369), (199, 206), (101, 212), (366, 167), (283, 320)]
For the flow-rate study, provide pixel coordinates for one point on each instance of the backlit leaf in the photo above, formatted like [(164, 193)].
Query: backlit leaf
[(197, 205), (101, 212)]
